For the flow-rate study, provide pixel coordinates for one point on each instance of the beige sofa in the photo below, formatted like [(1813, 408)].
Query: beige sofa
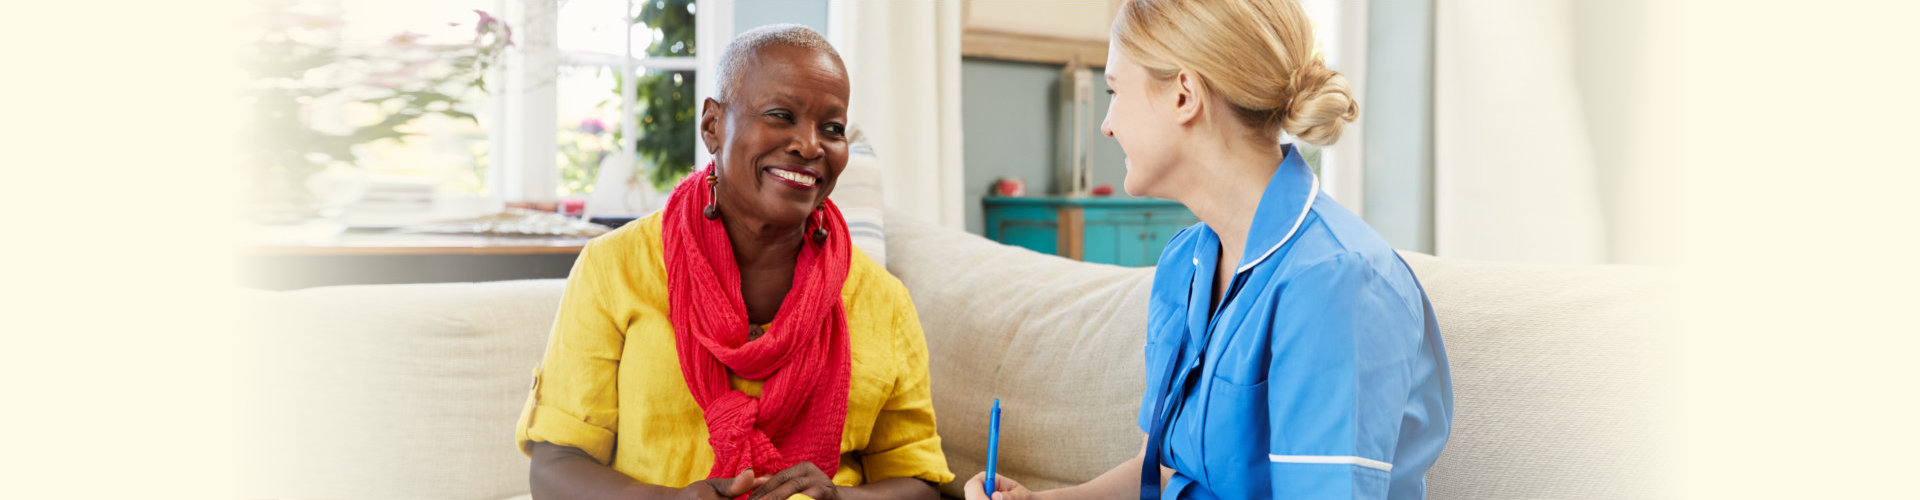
[(411, 391)]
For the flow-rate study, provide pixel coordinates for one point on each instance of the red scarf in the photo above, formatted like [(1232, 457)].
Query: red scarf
[(803, 356)]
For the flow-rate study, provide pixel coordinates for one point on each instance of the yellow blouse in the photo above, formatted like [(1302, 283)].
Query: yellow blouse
[(610, 384)]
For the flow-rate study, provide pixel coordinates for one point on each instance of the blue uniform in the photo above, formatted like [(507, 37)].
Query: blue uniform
[(1321, 375)]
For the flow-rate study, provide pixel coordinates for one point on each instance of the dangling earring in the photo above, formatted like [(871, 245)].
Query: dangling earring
[(819, 226), (713, 205)]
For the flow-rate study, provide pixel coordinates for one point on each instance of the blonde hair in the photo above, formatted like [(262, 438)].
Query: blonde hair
[(1258, 55)]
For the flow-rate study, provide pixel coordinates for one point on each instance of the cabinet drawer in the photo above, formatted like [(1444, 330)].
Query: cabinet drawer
[(1127, 232), (1174, 215)]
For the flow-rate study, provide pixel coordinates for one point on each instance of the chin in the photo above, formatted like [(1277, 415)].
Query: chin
[(788, 215), (1134, 185)]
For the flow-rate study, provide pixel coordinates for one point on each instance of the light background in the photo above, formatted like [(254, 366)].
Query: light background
[(1792, 215)]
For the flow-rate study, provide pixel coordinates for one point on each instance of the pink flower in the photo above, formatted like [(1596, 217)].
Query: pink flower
[(490, 25), (592, 126)]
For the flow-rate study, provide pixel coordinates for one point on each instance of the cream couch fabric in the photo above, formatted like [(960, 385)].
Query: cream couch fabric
[(411, 391), (391, 391), (1555, 368)]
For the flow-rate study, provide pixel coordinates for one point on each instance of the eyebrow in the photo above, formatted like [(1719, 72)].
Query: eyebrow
[(793, 100), (1109, 78)]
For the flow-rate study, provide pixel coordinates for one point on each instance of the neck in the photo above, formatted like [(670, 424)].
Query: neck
[(1226, 192), (762, 246)]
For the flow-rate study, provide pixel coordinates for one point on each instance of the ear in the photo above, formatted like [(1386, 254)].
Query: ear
[(1189, 97), (710, 111)]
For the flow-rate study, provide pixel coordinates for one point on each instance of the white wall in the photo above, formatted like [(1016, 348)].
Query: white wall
[(1618, 91)]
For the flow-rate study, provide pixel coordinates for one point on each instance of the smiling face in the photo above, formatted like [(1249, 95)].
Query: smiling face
[(1141, 117), (779, 143)]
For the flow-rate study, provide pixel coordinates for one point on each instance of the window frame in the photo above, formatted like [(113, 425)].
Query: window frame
[(523, 167), (1342, 168)]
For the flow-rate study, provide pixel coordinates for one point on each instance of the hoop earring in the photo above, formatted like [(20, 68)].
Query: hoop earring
[(712, 211)]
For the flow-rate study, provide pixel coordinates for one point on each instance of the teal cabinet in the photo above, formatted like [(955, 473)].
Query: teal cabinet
[(1120, 231)]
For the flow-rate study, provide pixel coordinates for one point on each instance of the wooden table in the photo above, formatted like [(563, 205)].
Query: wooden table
[(380, 243), (377, 257)]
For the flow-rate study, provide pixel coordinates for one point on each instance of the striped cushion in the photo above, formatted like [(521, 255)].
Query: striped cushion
[(857, 192)]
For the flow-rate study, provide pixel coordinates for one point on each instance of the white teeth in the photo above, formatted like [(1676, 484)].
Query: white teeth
[(803, 179)]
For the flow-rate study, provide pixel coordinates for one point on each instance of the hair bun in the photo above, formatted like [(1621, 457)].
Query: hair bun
[(1321, 105)]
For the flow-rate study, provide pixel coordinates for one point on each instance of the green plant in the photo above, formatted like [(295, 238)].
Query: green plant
[(667, 108), (664, 111)]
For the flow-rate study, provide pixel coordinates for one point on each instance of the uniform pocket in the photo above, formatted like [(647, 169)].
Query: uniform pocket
[(1235, 438)]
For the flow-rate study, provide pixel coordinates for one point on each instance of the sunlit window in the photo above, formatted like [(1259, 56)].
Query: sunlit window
[(393, 90), (599, 40), (387, 106)]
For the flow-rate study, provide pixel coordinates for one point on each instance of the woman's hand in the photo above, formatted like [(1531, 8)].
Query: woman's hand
[(722, 488), (1004, 489), (803, 479)]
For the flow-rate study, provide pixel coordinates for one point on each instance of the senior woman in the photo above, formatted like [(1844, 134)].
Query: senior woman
[(734, 343)]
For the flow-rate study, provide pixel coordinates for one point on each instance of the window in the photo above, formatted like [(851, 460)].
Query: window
[(589, 75), (654, 44), (514, 100), (572, 71), (1341, 31), (381, 90), (508, 100)]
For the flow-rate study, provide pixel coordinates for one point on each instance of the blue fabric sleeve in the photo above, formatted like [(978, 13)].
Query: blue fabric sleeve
[(1338, 380)]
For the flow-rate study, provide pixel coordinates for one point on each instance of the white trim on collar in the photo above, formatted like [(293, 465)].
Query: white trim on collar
[(1315, 193), (1329, 459)]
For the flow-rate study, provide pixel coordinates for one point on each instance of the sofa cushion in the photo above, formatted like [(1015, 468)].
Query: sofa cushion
[(411, 391), (1058, 341), (390, 391), (1557, 379), (857, 193), (1554, 367)]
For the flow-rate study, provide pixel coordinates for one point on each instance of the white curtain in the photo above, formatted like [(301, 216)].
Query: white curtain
[(1514, 176), (904, 58)]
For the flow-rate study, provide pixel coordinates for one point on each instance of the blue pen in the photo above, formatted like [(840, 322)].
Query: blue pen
[(993, 443)]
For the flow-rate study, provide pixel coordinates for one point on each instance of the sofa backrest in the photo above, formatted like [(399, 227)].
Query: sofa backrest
[(1554, 367), (411, 391), (390, 391), (1558, 379), (1057, 341)]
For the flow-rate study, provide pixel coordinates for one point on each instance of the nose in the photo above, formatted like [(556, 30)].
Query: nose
[(806, 145), (1106, 124)]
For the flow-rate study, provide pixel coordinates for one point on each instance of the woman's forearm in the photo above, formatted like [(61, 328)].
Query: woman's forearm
[(899, 487), (561, 472), (1123, 481)]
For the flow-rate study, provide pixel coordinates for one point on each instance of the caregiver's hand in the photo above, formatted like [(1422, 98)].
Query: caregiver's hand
[(803, 478), (1005, 489)]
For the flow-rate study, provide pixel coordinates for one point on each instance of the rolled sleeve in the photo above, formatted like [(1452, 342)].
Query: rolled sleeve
[(1328, 480), (904, 442), (573, 401), (1338, 382)]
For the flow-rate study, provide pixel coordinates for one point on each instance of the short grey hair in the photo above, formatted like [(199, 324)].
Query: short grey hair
[(740, 52)]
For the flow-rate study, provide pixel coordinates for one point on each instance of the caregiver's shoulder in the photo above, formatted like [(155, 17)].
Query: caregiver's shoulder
[(1334, 241)]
